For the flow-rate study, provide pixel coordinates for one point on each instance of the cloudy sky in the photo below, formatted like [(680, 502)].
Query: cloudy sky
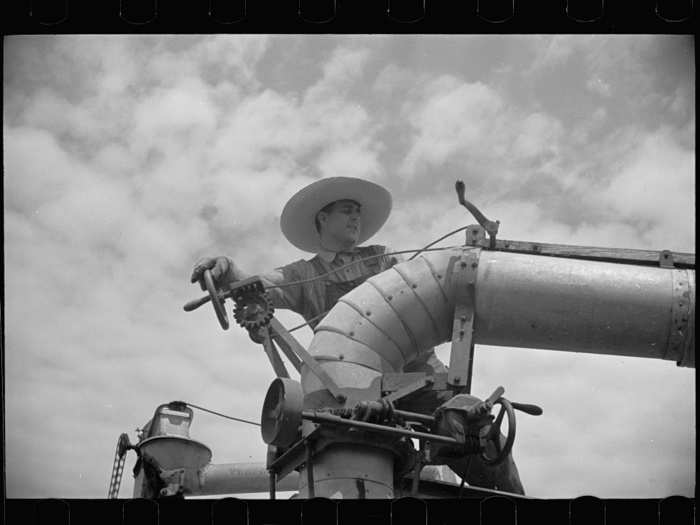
[(128, 158)]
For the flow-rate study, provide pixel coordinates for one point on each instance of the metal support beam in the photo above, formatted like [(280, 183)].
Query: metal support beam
[(462, 351), (273, 355)]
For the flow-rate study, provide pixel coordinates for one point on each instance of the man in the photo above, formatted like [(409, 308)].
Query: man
[(331, 218)]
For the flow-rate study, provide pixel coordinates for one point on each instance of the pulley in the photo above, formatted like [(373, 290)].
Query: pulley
[(281, 417)]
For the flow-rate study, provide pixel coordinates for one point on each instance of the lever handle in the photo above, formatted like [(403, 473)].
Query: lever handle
[(491, 400), (491, 227), (533, 410), (196, 303)]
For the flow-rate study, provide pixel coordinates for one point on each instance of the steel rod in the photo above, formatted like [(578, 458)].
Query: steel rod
[(327, 418)]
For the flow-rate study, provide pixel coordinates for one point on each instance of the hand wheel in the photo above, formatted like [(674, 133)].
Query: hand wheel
[(216, 300), (491, 435)]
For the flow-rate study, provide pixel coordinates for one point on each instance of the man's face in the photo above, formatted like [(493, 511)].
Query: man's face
[(341, 222)]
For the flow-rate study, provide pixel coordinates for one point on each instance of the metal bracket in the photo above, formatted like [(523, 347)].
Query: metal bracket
[(475, 235), (174, 481), (408, 389), (462, 350), (666, 259), (272, 354)]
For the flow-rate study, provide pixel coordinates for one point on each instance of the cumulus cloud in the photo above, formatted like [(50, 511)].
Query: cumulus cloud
[(128, 158), (655, 192)]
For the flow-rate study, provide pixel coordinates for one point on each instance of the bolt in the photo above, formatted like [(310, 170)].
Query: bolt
[(463, 265), (341, 357), (414, 286), (389, 298), (475, 264), (368, 313), (463, 318)]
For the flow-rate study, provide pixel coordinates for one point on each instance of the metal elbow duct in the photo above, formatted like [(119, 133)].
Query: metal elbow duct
[(520, 300)]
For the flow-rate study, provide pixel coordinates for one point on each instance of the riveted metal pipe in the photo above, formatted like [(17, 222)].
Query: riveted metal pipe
[(520, 300)]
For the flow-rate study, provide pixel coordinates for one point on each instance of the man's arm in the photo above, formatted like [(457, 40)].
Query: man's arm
[(226, 272), (286, 297)]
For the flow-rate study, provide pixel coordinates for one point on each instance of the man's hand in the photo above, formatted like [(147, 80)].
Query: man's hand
[(223, 270)]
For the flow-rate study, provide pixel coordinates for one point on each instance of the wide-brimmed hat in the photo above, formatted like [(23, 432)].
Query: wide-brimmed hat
[(299, 214)]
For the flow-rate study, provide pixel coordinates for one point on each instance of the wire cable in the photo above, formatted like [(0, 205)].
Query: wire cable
[(426, 248), (314, 318), (437, 241), (222, 415), (316, 277)]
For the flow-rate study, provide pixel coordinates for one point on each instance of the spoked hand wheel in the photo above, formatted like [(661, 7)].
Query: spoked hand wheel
[(216, 300), (491, 435)]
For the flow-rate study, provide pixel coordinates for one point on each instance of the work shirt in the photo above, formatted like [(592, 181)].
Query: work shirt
[(313, 298)]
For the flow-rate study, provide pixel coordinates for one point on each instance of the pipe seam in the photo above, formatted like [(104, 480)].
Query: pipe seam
[(412, 286), (408, 331), (359, 311)]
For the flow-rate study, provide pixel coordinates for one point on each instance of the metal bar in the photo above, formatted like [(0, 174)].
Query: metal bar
[(327, 418), (296, 362), (415, 416), (272, 484), (308, 359), (416, 478), (309, 471), (273, 355), (623, 255), (468, 388), (463, 282)]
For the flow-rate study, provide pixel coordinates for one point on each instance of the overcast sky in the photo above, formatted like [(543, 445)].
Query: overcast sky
[(128, 158)]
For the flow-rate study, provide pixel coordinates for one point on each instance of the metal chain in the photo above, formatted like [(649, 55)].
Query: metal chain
[(118, 466)]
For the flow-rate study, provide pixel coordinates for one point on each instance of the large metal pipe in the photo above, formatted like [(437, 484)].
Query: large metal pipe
[(521, 300), (239, 478), (248, 478)]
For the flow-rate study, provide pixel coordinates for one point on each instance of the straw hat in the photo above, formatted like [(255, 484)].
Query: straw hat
[(297, 220)]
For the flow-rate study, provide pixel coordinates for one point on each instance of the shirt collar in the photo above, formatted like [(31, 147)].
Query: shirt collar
[(326, 255), (329, 256)]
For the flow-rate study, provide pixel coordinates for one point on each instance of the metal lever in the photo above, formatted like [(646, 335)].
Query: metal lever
[(491, 227), (196, 303), (533, 410), (491, 400)]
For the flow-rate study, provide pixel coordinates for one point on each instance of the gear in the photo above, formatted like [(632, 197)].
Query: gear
[(252, 311)]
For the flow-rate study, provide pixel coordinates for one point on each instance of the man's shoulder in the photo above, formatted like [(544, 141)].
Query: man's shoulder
[(298, 266)]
